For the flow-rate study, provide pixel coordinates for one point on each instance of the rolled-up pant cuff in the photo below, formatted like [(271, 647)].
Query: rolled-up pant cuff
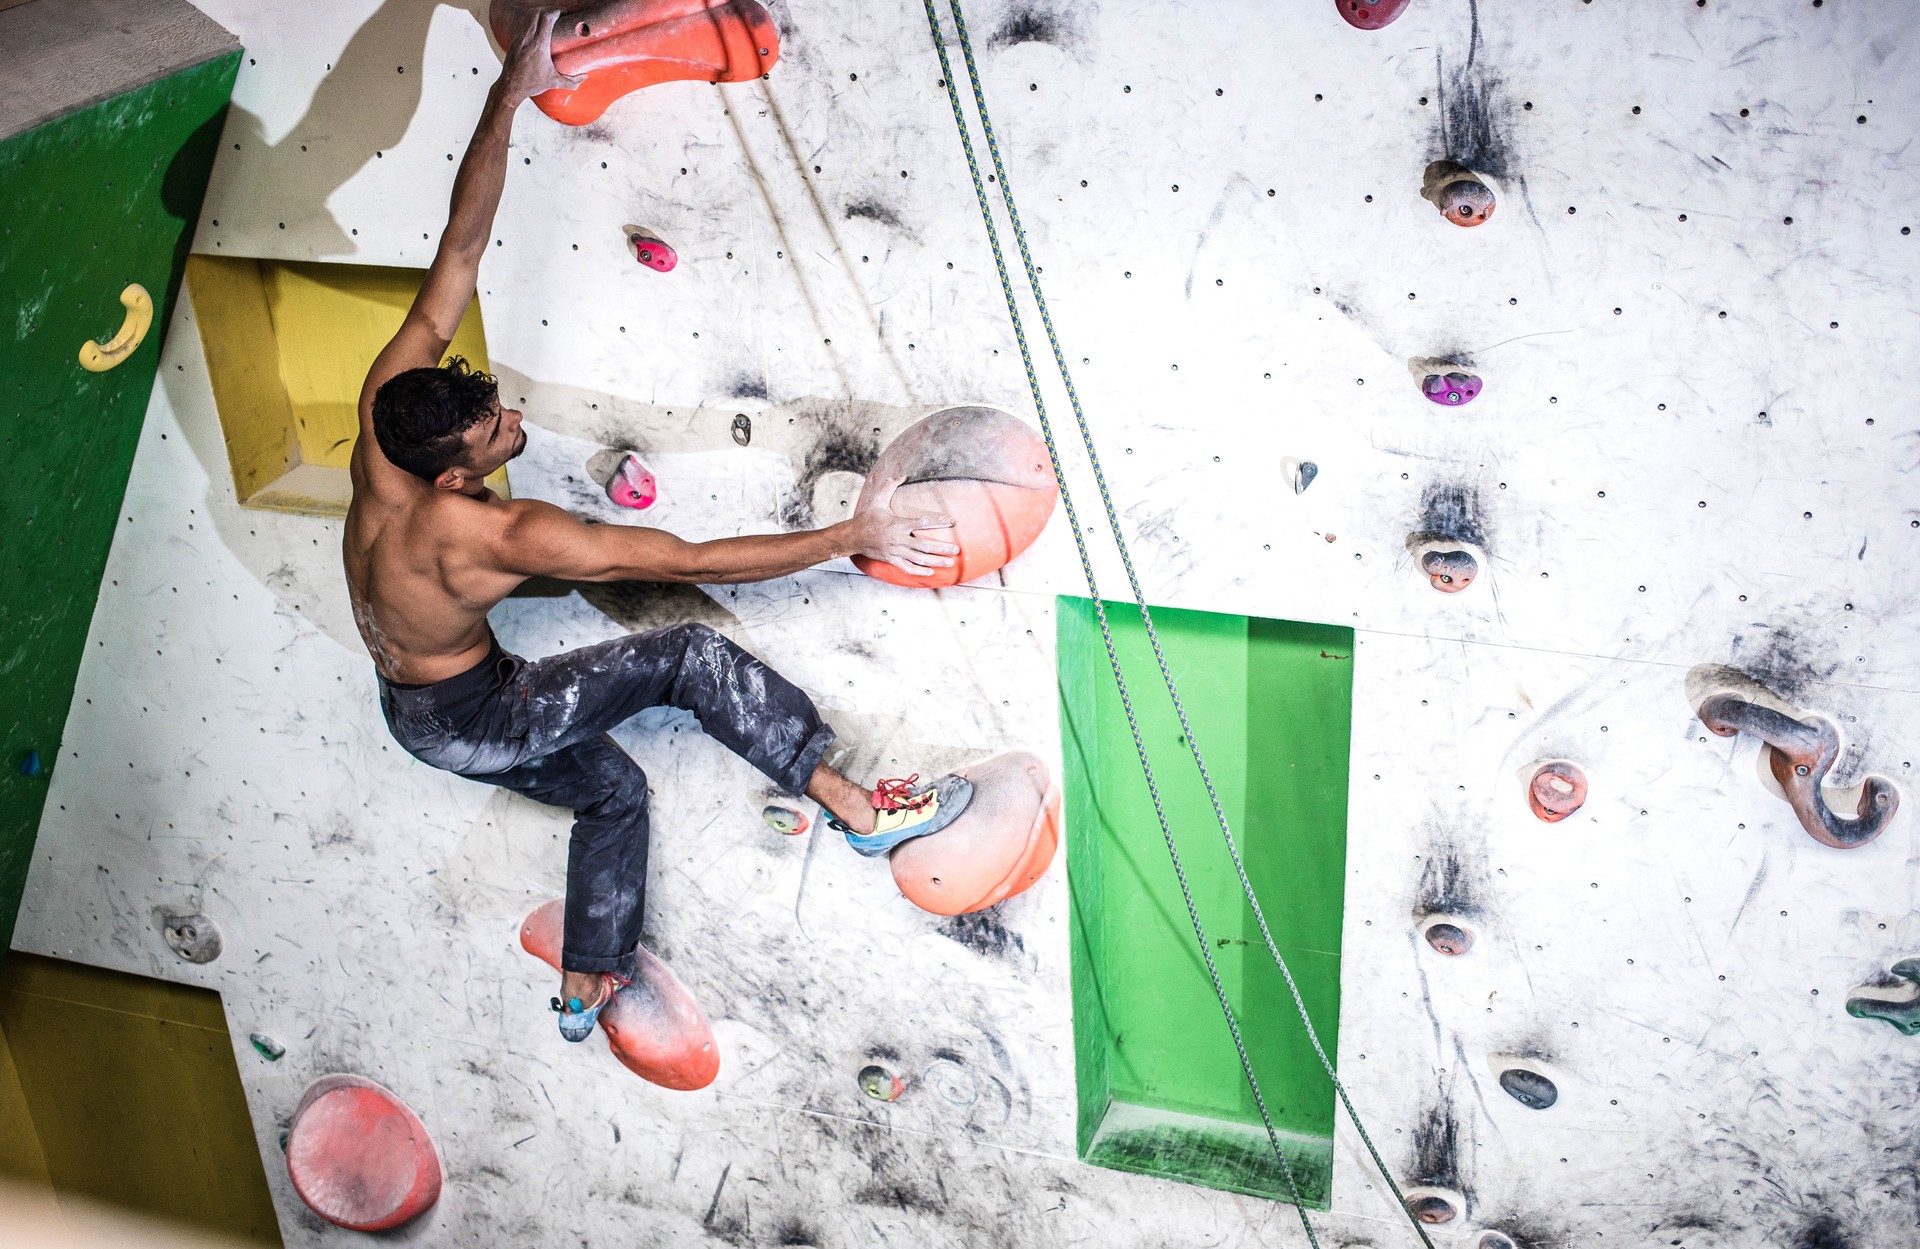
[(807, 762), (588, 964)]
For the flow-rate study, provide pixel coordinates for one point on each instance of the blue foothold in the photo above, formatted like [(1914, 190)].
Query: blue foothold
[(30, 766)]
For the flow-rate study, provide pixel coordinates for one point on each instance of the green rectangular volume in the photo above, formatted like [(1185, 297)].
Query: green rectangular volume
[(97, 200), (1161, 1088)]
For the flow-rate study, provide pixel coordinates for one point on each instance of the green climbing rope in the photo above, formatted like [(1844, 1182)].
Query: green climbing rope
[(1146, 615)]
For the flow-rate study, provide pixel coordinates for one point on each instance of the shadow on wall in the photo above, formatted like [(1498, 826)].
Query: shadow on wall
[(362, 106)]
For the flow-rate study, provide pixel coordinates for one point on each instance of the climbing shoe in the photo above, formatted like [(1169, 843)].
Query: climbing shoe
[(902, 812), (576, 1018)]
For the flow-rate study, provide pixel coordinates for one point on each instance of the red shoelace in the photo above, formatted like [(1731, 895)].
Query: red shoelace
[(891, 795)]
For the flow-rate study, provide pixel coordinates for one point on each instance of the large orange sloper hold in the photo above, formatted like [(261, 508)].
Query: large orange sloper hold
[(653, 1026), (985, 468), (624, 45), (1001, 844), (359, 1157)]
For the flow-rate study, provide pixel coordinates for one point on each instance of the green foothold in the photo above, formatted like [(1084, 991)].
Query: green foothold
[(1903, 1014), (269, 1049), (283, 1142)]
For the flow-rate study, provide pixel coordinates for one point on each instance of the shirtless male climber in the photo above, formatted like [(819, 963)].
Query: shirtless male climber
[(430, 549)]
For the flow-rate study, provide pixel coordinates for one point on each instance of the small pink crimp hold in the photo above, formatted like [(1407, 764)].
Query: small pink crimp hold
[(632, 485), (653, 253)]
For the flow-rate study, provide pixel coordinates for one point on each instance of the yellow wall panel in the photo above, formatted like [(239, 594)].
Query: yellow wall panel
[(21, 1158), (133, 1090), (288, 345), (236, 330)]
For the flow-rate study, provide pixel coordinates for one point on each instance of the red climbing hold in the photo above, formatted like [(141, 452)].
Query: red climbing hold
[(1370, 14), (985, 468), (998, 847), (624, 45), (359, 1157), (632, 485), (1557, 790), (1467, 202), (1450, 570), (1448, 937), (653, 1026), (653, 253)]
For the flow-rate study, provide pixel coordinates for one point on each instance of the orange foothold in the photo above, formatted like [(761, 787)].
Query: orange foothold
[(1467, 202), (622, 46), (985, 468), (359, 1157), (998, 847), (1557, 790), (785, 820), (653, 1026)]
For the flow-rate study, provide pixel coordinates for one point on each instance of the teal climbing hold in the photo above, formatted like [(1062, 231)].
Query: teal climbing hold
[(1902, 1012)]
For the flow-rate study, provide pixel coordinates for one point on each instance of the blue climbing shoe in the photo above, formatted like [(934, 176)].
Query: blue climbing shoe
[(577, 1019), (901, 812)]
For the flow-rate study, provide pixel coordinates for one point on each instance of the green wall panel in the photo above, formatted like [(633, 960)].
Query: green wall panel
[(93, 201), (1160, 1085)]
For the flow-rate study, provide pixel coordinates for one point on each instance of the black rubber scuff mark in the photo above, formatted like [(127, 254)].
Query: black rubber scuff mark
[(1453, 511), (1033, 23), (984, 934), (874, 210)]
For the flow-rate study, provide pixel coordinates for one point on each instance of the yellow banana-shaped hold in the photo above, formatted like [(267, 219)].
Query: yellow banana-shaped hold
[(98, 357)]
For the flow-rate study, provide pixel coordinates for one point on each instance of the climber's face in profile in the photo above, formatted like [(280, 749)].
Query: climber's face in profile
[(494, 440)]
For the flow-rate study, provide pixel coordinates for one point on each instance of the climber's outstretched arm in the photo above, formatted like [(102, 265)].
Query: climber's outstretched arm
[(455, 272)]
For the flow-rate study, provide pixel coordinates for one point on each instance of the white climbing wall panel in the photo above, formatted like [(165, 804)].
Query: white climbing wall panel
[(1695, 314)]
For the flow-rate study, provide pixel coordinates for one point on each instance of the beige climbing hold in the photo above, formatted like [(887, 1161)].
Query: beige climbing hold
[(98, 357)]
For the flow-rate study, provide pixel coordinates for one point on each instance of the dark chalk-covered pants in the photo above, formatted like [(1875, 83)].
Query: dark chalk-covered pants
[(539, 728)]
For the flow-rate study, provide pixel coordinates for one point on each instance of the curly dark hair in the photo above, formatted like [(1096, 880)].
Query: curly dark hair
[(419, 416)]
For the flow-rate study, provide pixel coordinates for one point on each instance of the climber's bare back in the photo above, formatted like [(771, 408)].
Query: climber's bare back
[(419, 571)]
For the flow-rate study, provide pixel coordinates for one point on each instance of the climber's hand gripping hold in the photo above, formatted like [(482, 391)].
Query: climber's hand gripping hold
[(879, 533)]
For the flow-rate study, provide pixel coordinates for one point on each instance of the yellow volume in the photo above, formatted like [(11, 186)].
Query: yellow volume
[(98, 357)]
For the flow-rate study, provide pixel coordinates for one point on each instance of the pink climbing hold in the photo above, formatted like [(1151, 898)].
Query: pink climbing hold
[(653, 253), (1451, 389), (998, 847), (653, 1026), (632, 485), (359, 1157), (1370, 14)]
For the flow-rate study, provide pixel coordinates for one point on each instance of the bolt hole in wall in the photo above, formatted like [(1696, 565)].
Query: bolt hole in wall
[(287, 345), (122, 1090), (1160, 1086)]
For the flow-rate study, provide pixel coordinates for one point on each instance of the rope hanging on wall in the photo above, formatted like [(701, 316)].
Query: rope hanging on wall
[(1146, 615)]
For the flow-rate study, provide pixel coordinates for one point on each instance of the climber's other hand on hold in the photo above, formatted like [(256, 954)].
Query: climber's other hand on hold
[(879, 533), (529, 68)]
